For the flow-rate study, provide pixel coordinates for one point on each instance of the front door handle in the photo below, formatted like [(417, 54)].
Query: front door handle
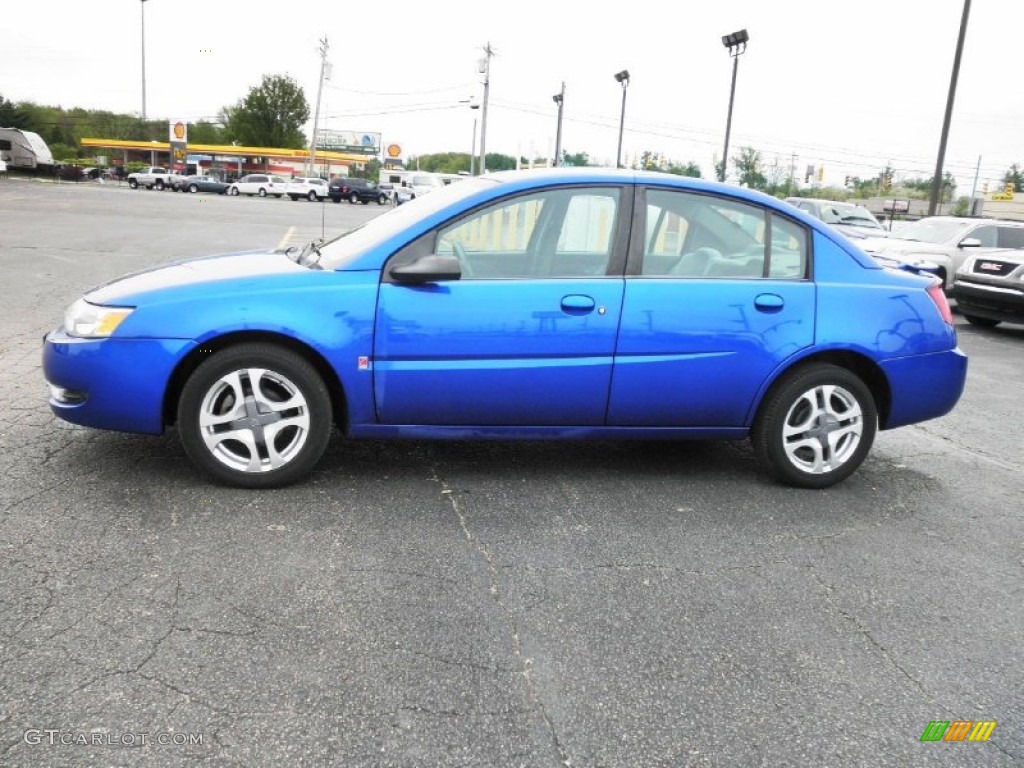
[(769, 302), (577, 304)]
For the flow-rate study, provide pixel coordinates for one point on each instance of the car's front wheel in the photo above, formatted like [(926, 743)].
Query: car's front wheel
[(815, 426), (159, 185), (193, 188), (981, 322), (263, 192), (381, 199), (133, 184), (255, 416), (232, 191)]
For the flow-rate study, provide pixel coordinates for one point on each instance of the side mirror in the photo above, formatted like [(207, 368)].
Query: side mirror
[(970, 242), (427, 269)]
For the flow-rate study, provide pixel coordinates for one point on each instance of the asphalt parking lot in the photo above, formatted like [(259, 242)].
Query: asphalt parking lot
[(523, 604)]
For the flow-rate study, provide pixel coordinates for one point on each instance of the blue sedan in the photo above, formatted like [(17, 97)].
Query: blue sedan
[(569, 303)]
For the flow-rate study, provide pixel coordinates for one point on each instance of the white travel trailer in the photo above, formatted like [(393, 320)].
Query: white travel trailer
[(23, 149)]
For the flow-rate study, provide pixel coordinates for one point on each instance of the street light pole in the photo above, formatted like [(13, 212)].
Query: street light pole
[(737, 45), (142, 5), (623, 79), (486, 71), (933, 202), (559, 99)]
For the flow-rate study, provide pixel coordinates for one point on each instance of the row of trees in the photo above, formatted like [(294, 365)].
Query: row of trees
[(271, 114)]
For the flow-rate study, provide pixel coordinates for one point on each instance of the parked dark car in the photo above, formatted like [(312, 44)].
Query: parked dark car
[(356, 191), (200, 184)]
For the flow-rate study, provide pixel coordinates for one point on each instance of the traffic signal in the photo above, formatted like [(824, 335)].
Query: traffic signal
[(846, 182), (984, 188), (821, 173)]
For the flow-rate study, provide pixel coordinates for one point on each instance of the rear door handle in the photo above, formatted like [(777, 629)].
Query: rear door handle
[(577, 304), (769, 302)]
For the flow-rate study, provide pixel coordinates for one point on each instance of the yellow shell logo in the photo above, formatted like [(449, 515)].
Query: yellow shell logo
[(394, 150), (179, 131)]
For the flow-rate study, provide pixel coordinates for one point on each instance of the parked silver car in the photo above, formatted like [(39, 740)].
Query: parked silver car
[(989, 288), (852, 220), (947, 241)]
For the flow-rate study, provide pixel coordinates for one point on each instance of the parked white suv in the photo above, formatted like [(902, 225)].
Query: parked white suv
[(947, 241), (311, 188), (261, 184), (415, 186)]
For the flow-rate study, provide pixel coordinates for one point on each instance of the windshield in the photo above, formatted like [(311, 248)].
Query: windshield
[(347, 247), (933, 230), (855, 214)]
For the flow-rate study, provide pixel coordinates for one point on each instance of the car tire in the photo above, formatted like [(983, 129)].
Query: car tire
[(159, 185), (981, 322), (794, 429), (335, 199), (311, 196), (193, 188), (133, 184), (353, 198), (382, 199), (262, 192), (240, 390)]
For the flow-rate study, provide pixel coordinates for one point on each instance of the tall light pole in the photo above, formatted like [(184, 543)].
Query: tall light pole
[(142, 5), (736, 42), (622, 78), (316, 114), (933, 202), (472, 148), (559, 99)]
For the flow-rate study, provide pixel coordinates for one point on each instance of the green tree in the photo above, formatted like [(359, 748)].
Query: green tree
[(271, 115), (749, 168), (12, 115), (578, 159), (689, 169), (205, 132), (1012, 176)]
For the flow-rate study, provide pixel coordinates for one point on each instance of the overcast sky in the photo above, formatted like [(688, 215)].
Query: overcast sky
[(851, 86)]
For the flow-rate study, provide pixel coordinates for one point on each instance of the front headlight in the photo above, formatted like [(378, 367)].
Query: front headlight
[(93, 322)]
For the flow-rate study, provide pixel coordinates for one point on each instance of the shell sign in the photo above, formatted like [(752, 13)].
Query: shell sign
[(394, 150), (179, 130)]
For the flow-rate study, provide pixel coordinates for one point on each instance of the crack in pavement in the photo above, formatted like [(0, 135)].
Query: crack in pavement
[(523, 663)]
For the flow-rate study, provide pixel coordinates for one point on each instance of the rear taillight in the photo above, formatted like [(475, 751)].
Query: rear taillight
[(939, 297)]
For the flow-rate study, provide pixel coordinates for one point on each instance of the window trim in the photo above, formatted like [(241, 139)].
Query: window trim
[(620, 241), (637, 244)]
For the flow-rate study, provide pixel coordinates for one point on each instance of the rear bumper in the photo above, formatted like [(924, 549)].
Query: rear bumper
[(114, 384), (924, 386), (990, 301)]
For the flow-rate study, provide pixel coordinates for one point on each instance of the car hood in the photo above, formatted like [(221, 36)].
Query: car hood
[(231, 266)]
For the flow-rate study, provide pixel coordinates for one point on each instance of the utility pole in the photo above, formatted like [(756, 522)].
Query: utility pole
[(977, 170), (316, 114), (792, 173), (560, 100), (933, 202), (486, 64)]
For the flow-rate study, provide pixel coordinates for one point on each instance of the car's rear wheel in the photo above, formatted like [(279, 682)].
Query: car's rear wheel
[(133, 184), (160, 185), (193, 188), (255, 416), (232, 191), (353, 198), (815, 427), (382, 199), (311, 196), (981, 322), (263, 192)]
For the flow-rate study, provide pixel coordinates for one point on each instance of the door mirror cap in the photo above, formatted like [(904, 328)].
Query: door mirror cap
[(970, 242), (427, 269)]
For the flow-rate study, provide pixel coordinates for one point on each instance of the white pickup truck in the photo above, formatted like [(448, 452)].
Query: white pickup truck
[(151, 177), (416, 185)]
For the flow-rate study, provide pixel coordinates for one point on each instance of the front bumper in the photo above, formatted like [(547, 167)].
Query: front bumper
[(111, 383), (994, 302), (924, 387)]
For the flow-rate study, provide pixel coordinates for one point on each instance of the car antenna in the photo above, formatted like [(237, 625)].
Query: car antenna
[(323, 208)]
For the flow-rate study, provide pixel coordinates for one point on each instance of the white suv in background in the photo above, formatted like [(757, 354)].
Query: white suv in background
[(309, 187), (415, 186), (947, 241), (261, 184)]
